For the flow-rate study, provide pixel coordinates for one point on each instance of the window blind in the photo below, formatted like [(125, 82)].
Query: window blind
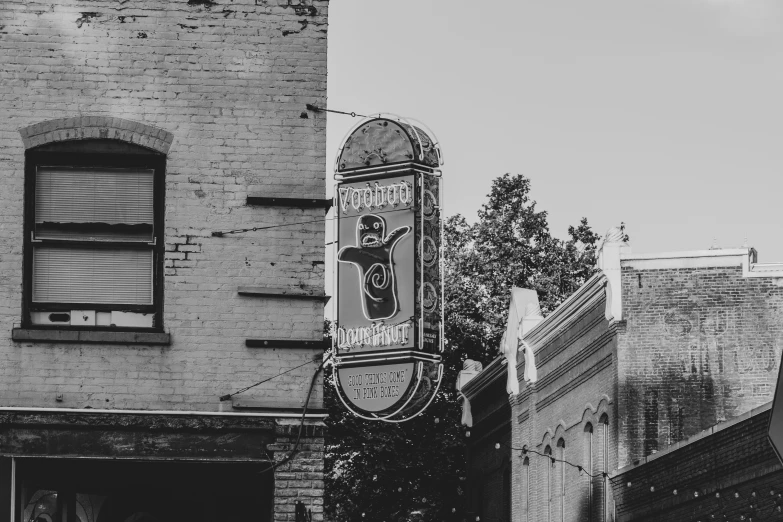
[(92, 275), (88, 203)]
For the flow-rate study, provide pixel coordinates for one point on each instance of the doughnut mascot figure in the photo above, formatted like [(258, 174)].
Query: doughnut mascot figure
[(373, 256)]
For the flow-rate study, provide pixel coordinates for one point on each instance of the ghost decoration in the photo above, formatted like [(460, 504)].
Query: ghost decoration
[(373, 256), (523, 314)]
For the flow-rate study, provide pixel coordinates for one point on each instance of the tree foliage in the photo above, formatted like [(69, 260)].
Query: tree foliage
[(415, 471)]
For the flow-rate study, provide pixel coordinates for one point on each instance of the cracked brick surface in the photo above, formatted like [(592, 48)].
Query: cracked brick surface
[(219, 89), (219, 86)]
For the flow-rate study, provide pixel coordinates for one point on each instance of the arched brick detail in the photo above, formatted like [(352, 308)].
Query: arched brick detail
[(96, 127)]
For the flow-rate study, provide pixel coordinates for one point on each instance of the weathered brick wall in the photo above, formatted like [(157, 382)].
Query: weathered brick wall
[(488, 466), (701, 345), (229, 79), (724, 474), (487, 497), (299, 480), (576, 386), (696, 346)]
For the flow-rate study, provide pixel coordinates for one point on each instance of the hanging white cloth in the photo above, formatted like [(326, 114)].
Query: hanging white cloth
[(531, 375), (523, 308)]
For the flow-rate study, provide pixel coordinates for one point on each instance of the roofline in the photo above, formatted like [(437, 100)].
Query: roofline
[(567, 312), (717, 252), (725, 257), (694, 438), (485, 377), (564, 315), (693, 259)]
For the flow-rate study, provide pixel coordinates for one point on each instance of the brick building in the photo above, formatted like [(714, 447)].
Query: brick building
[(726, 472), (650, 351), (133, 134)]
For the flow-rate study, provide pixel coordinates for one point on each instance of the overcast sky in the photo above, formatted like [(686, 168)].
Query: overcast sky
[(664, 114)]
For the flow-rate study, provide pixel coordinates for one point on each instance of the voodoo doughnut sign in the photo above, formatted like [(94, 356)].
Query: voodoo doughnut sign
[(389, 326)]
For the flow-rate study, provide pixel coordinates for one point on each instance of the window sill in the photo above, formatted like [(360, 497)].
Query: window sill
[(89, 336)]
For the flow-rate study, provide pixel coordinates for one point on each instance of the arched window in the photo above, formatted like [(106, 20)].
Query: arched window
[(589, 469), (561, 453), (526, 487), (549, 465), (605, 466)]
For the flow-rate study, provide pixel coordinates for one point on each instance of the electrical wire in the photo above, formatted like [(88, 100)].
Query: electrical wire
[(229, 395), (295, 449), (253, 229), (554, 459)]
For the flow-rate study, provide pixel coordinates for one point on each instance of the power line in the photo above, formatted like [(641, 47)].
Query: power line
[(295, 449), (581, 469), (254, 229), (228, 396)]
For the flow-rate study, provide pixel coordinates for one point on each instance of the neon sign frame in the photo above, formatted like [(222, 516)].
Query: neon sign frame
[(426, 323)]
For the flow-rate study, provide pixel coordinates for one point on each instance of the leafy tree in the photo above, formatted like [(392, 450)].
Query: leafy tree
[(414, 471)]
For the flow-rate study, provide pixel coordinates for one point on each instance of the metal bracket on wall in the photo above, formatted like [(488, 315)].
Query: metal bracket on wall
[(288, 343), (325, 204), (290, 293)]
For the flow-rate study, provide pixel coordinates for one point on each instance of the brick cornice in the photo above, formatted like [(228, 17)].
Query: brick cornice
[(569, 311), (96, 127), (593, 346), (134, 422), (604, 363), (493, 371), (547, 353)]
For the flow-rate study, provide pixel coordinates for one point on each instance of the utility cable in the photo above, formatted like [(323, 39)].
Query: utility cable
[(555, 459), (253, 229), (228, 396), (295, 449)]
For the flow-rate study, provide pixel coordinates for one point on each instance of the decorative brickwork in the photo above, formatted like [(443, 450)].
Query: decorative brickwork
[(575, 387), (96, 127)]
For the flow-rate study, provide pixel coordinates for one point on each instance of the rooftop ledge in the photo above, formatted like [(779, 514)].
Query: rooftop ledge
[(722, 257), (693, 438)]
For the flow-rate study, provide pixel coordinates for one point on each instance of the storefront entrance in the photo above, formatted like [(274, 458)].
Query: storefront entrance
[(97, 490)]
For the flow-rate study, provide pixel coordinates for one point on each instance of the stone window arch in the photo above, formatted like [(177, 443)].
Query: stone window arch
[(96, 127)]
